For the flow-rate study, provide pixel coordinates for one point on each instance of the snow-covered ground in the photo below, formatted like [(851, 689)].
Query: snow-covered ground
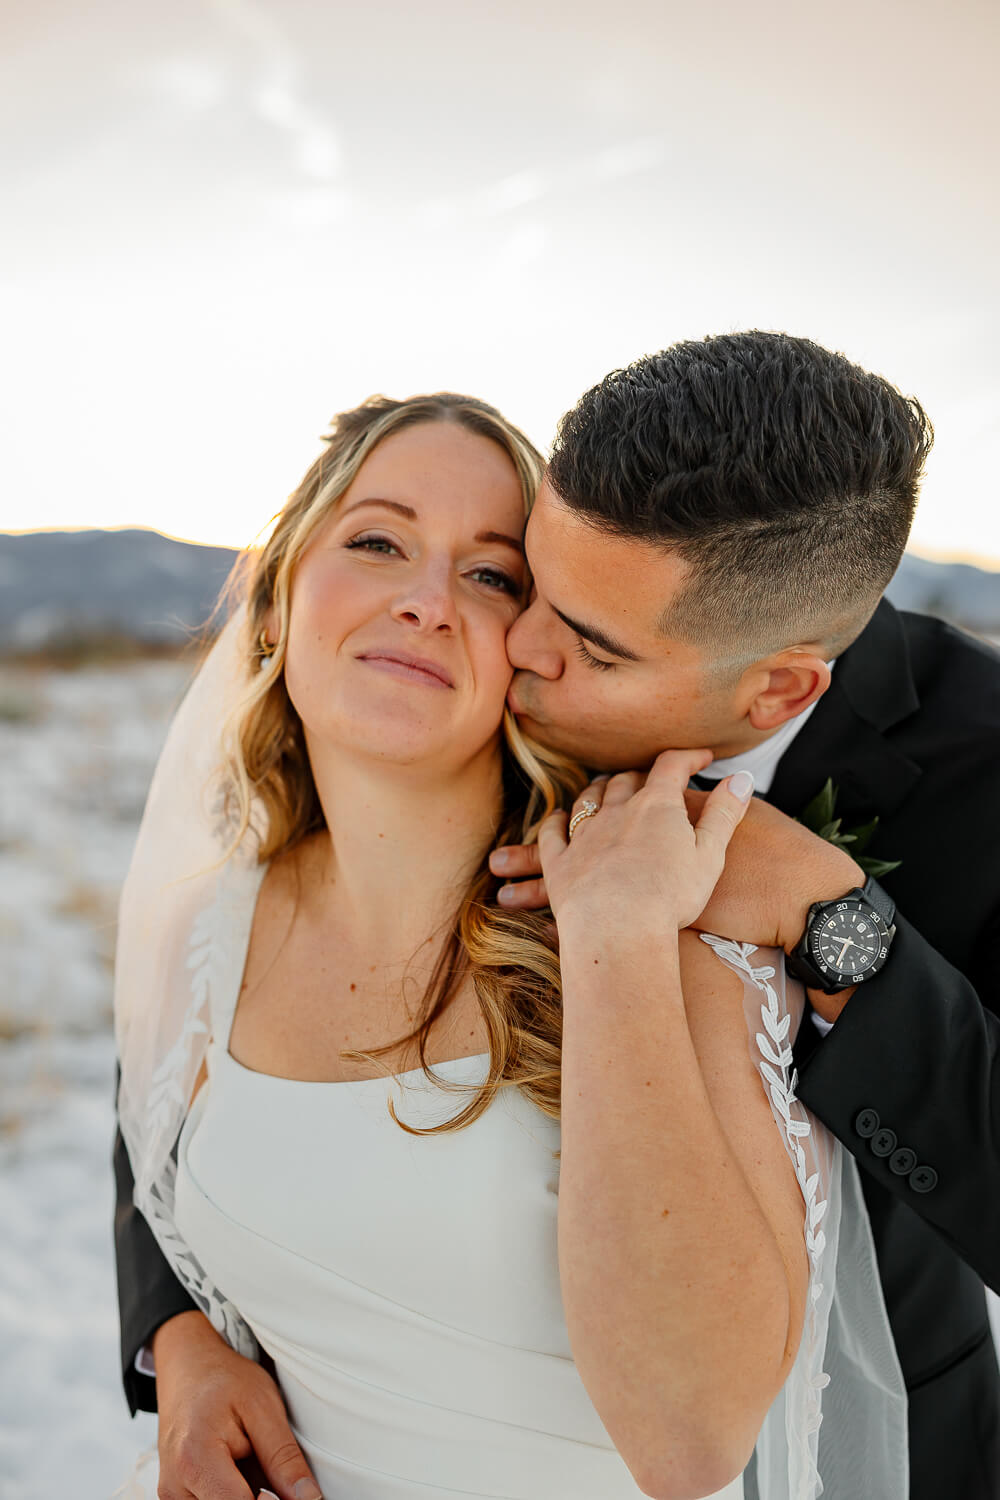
[(77, 750)]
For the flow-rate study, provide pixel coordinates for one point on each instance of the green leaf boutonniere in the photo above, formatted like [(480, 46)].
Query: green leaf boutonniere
[(820, 818)]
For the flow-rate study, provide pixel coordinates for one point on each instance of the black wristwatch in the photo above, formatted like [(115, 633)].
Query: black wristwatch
[(846, 941)]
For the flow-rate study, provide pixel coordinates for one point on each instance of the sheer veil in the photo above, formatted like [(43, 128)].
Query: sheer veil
[(165, 959), (838, 1426)]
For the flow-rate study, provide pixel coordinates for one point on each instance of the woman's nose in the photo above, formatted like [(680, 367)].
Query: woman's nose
[(428, 601), (529, 648)]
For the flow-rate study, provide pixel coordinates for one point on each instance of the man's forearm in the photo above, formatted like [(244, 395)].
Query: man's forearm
[(658, 1302)]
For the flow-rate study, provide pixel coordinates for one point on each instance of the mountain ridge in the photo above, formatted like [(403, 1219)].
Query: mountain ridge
[(156, 590)]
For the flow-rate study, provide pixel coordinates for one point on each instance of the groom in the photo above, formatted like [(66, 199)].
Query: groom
[(716, 528), (709, 552)]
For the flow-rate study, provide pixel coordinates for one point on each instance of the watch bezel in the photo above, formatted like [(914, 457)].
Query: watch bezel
[(824, 912)]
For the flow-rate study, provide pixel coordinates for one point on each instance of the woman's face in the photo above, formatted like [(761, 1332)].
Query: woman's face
[(401, 602)]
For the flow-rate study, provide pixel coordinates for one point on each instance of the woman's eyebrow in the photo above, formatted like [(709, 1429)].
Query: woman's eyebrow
[(410, 514), (403, 510)]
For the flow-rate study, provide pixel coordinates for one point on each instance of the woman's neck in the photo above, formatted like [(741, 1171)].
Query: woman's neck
[(401, 846)]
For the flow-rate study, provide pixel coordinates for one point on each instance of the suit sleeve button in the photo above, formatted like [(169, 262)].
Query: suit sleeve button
[(923, 1179), (902, 1161), (867, 1123), (883, 1143)]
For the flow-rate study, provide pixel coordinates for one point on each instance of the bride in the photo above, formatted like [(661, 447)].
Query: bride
[(504, 1207)]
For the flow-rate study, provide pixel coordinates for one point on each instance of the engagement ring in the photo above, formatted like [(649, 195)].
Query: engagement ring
[(587, 810)]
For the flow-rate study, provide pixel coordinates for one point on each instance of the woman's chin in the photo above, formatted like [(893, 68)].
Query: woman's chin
[(416, 747), (398, 733)]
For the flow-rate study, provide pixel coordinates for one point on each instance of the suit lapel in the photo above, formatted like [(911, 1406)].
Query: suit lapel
[(872, 690)]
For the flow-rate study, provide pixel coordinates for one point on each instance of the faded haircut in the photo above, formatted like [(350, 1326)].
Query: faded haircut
[(785, 476)]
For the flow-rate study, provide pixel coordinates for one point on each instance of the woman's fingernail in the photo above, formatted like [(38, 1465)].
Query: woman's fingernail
[(741, 785), (499, 859), (505, 894)]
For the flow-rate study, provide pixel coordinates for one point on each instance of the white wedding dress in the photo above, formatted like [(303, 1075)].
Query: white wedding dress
[(406, 1287)]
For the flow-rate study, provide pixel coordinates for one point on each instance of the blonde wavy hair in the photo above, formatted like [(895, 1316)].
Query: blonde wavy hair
[(267, 784)]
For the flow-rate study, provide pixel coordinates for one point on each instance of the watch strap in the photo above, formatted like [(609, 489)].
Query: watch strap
[(880, 900)]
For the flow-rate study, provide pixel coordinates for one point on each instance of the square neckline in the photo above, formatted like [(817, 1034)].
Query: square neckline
[(336, 1083)]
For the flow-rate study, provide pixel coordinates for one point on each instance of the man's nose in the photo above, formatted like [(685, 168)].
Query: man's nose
[(428, 601), (529, 648)]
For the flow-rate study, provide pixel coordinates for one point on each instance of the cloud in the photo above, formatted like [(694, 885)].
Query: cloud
[(531, 185), (521, 247), (188, 85), (277, 97), (510, 193), (631, 157)]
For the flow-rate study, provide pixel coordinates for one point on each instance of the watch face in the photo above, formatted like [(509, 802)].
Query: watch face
[(850, 942)]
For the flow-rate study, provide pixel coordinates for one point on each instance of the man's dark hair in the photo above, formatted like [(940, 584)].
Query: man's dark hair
[(783, 474)]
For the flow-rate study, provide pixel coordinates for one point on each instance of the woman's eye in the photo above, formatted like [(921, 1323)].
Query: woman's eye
[(496, 579), (372, 544), (593, 661)]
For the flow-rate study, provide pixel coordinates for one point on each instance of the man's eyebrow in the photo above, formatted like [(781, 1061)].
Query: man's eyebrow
[(409, 514), (599, 638)]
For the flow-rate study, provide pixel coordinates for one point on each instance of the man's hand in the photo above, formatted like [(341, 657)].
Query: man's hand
[(221, 1417), (775, 869)]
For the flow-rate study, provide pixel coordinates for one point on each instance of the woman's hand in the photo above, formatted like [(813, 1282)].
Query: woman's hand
[(222, 1420), (635, 860)]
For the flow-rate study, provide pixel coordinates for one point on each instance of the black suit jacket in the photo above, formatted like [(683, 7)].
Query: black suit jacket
[(909, 730)]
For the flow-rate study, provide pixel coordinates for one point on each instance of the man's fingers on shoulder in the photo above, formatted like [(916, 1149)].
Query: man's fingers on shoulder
[(525, 895), (515, 860)]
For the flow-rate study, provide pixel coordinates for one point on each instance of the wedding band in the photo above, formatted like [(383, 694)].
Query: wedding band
[(587, 810)]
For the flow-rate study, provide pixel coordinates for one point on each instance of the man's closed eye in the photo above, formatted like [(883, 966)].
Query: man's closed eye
[(593, 661)]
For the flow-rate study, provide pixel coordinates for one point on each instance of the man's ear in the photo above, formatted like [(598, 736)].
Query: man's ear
[(792, 681)]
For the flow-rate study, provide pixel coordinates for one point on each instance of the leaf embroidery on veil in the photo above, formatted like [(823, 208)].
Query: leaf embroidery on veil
[(211, 958), (776, 1065)]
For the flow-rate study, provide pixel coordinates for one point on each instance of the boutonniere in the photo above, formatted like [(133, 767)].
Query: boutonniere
[(820, 818)]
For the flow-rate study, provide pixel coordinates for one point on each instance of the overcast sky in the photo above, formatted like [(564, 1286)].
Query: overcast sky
[(226, 219)]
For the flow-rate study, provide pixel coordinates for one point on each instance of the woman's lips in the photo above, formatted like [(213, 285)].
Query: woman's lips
[(410, 668)]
